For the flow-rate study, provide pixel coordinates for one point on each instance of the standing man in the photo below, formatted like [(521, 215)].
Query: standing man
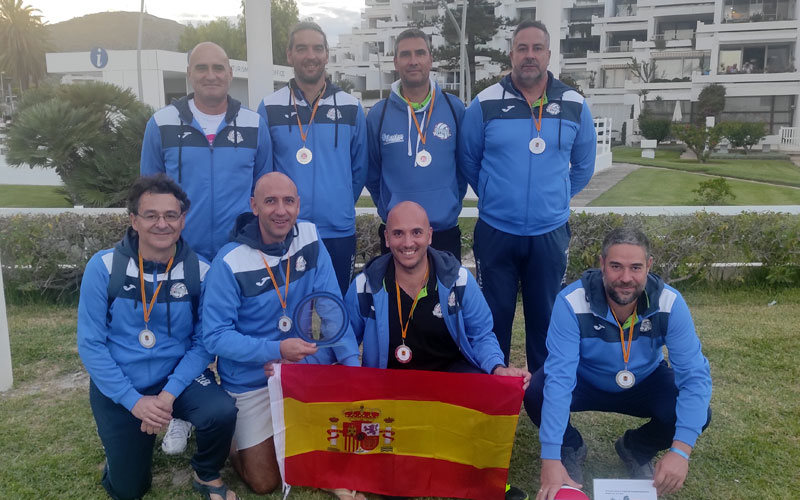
[(254, 286), (528, 146), (139, 338), (318, 133), (212, 146), (412, 137), (606, 342)]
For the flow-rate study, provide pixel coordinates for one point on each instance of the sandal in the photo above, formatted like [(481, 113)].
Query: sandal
[(207, 490), (345, 494)]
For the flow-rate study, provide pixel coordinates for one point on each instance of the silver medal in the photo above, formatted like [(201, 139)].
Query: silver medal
[(424, 158), (403, 353), (625, 379), (147, 338), (284, 323), (304, 156), (537, 145)]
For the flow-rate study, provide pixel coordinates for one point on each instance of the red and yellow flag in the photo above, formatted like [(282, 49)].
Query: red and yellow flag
[(395, 432)]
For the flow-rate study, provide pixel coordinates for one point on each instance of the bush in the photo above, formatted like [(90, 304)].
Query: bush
[(699, 139), (743, 135), (714, 192), (46, 254), (654, 128), (711, 102)]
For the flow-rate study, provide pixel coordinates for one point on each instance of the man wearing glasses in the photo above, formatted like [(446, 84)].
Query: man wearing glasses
[(144, 355)]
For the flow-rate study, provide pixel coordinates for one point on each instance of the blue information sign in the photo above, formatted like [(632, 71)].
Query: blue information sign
[(98, 57)]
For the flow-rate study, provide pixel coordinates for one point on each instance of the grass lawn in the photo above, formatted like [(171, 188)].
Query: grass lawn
[(366, 201), (657, 187), (51, 450), (13, 196), (773, 171)]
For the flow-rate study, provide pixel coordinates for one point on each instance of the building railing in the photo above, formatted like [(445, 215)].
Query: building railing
[(602, 126), (790, 138)]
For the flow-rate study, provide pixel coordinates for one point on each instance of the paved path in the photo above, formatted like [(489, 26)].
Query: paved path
[(602, 182)]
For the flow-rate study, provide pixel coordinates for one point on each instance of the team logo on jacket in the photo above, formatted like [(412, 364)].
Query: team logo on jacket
[(437, 311), (334, 114), (442, 131), (646, 326), (235, 137), (387, 139), (553, 108), (362, 431), (263, 281), (300, 264), (178, 290)]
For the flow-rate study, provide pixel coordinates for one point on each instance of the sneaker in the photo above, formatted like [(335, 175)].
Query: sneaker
[(514, 493), (573, 460), (177, 436), (635, 469)]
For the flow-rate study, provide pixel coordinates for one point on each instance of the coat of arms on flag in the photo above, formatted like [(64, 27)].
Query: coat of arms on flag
[(394, 432)]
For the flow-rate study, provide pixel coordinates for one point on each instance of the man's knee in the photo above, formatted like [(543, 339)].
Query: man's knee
[(258, 467), (263, 484), (534, 398), (127, 487)]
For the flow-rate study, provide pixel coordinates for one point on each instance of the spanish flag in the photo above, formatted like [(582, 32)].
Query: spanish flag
[(394, 432)]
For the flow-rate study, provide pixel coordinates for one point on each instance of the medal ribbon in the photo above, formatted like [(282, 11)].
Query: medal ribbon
[(422, 134), (146, 310), (282, 298), (404, 328), (303, 135), (538, 123), (626, 353)]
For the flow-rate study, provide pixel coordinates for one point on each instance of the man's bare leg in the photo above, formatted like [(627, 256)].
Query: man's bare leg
[(258, 467)]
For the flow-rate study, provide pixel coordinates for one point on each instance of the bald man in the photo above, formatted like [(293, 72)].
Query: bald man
[(247, 299), (212, 146), (441, 321)]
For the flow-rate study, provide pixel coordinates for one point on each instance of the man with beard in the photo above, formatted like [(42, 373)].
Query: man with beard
[(528, 146), (605, 354), (319, 140)]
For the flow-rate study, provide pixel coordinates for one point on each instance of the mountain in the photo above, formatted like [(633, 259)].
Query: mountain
[(114, 31)]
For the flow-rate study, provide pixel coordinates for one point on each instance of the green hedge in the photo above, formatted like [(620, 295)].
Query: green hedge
[(47, 253)]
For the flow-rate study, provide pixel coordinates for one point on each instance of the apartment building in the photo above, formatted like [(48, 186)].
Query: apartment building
[(752, 47)]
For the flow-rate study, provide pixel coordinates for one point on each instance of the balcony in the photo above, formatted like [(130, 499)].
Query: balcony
[(626, 10), (743, 11)]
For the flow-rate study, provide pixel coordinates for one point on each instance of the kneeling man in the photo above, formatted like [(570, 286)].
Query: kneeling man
[(419, 308), (139, 338), (605, 354), (254, 286)]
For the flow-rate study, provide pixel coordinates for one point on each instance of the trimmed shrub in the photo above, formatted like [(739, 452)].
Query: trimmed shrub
[(654, 128), (714, 192), (743, 135)]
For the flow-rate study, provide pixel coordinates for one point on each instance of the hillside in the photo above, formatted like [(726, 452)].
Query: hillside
[(114, 31)]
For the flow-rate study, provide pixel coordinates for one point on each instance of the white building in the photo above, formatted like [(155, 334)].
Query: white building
[(752, 47)]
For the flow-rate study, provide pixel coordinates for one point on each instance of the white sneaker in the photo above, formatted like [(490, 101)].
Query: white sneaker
[(177, 435)]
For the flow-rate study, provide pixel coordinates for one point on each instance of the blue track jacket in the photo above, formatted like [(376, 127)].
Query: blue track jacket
[(584, 339), (519, 192), (108, 337), (394, 175), (331, 183), (468, 317), (218, 178), (241, 309)]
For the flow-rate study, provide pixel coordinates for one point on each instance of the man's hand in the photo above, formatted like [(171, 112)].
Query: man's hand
[(295, 349), (514, 372), (554, 476), (671, 470), (269, 367), (154, 413)]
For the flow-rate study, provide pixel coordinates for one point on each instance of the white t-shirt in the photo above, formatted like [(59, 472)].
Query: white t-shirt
[(209, 123)]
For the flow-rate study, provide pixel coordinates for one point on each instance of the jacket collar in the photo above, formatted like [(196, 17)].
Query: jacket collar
[(186, 115), (444, 264), (592, 281)]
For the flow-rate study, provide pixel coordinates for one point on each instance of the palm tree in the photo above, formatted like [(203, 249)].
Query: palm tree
[(23, 42)]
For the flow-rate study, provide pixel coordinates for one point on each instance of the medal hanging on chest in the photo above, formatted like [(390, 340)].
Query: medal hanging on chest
[(403, 353), (625, 378), (423, 158), (304, 155), (537, 144), (147, 338), (284, 322)]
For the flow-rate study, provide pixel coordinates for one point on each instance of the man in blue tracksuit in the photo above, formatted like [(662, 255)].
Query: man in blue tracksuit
[(418, 308), (212, 146), (142, 348), (605, 342), (528, 146), (257, 280), (318, 137), (412, 137)]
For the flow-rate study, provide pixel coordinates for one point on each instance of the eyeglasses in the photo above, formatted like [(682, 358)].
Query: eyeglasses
[(152, 217)]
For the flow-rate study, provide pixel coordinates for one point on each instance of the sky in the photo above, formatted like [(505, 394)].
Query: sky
[(335, 16)]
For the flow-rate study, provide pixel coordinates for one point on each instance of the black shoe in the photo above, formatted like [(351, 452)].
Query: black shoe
[(514, 493), (573, 460), (635, 469)]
